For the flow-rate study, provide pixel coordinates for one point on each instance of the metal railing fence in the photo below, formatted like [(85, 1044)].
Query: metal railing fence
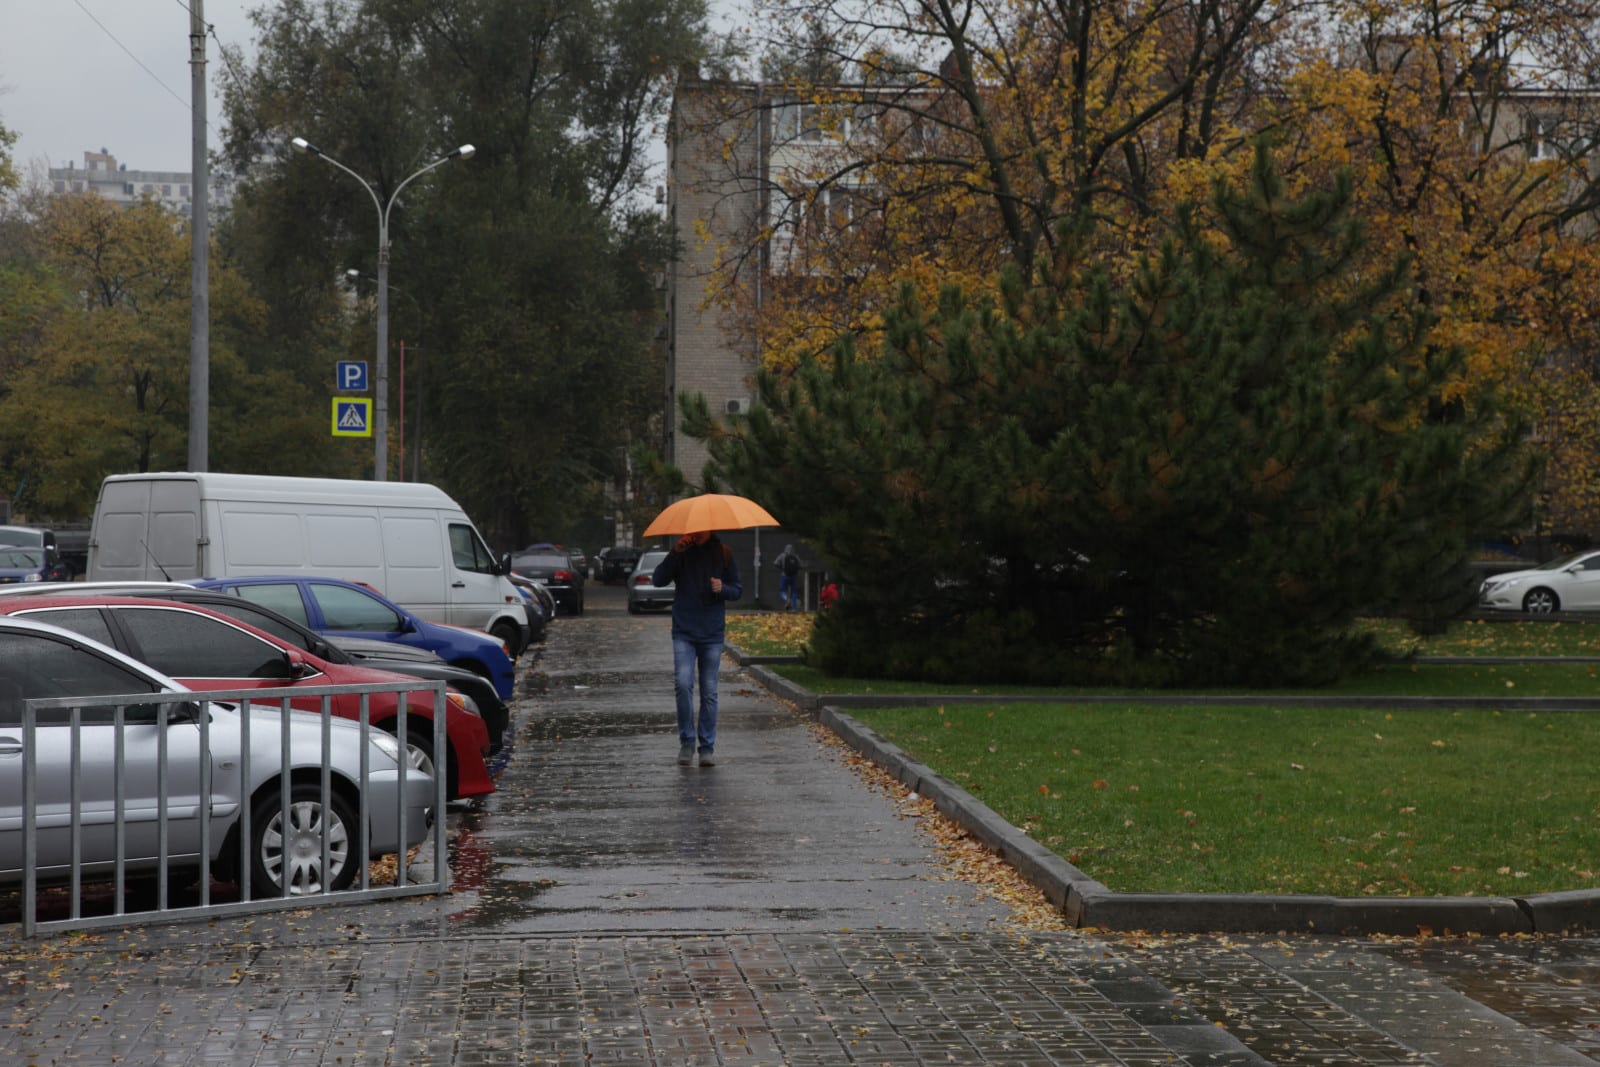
[(97, 825)]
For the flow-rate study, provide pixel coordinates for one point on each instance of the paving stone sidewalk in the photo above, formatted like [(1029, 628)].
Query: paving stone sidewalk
[(614, 908)]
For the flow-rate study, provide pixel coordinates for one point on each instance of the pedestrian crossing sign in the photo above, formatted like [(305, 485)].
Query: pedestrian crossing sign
[(352, 416)]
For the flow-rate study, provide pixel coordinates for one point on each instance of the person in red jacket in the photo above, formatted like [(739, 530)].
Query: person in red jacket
[(829, 595)]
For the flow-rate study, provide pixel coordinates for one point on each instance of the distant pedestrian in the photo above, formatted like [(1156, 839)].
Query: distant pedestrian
[(829, 595), (704, 577), (788, 564)]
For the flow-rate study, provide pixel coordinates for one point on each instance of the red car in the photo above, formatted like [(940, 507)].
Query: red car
[(206, 650)]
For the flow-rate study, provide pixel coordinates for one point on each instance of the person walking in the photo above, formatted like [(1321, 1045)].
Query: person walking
[(704, 577), (788, 564)]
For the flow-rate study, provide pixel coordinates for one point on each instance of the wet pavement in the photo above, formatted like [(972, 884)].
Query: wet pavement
[(613, 907)]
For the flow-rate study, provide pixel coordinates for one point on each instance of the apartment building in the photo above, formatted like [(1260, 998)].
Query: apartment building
[(103, 175), (742, 195)]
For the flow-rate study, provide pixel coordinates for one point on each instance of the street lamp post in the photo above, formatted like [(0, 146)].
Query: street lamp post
[(380, 416), (354, 276)]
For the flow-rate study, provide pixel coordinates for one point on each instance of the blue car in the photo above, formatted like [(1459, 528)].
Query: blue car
[(349, 609), (26, 563)]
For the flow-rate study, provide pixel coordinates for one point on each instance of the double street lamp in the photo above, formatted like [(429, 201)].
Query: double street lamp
[(380, 415)]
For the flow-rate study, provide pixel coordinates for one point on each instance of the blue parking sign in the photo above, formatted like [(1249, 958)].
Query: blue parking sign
[(352, 376)]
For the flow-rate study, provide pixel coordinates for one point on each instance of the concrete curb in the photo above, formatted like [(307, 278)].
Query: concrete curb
[(1087, 903)]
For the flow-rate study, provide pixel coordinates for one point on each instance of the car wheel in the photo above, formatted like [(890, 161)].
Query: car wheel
[(297, 853), (419, 750), (577, 609), (507, 634), (1541, 602), (634, 608)]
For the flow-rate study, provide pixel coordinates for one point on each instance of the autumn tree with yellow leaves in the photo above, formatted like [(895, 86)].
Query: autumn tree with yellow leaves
[(963, 135), (1198, 473), (95, 353)]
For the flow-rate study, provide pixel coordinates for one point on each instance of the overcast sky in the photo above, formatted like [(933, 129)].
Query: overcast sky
[(77, 76), (82, 75)]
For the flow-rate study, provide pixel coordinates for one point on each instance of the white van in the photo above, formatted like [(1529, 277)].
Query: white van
[(408, 540)]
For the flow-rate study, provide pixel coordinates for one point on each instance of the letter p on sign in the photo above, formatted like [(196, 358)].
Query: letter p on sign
[(352, 376)]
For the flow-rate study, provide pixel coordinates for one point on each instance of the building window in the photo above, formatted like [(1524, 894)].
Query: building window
[(803, 123), (802, 223), (1538, 130), (1548, 137)]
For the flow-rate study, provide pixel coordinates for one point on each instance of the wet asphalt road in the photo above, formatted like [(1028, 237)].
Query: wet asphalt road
[(612, 907)]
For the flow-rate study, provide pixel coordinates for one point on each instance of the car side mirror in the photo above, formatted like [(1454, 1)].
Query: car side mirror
[(296, 666), (505, 563)]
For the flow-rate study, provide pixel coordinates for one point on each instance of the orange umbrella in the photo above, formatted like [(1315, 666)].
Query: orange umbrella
[(708, 511)]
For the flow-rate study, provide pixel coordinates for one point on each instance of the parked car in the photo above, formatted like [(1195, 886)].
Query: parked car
[(41, 661), (643, 592), (475, 691), (541, 605), (350, 609), (36, 536), (205, 649), (580, 560), (552, 568), (27, 564), (407, 540), (617, 563), (1570, 583)]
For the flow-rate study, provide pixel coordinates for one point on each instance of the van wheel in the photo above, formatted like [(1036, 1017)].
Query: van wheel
[(295, 853), (508, 635)]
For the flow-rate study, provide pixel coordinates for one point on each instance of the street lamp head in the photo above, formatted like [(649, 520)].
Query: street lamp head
[(300, 144), (466, 151)]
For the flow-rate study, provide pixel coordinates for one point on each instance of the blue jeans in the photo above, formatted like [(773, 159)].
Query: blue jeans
[(786, 591), (687, 656)]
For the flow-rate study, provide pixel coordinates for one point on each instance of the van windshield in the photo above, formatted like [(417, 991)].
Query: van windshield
[(468, 550)]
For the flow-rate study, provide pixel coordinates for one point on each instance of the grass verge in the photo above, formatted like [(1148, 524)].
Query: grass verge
[(1349, 802), (1281, 800)]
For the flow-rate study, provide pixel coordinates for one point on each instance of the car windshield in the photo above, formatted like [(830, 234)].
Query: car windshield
[(21, 557)]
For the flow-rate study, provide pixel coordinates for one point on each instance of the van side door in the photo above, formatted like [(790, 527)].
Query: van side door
[(475, 579)]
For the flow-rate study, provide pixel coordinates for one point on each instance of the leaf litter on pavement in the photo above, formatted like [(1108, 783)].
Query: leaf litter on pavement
[(958, 853)]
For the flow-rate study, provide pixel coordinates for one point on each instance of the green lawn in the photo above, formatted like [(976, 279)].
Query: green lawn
[(1350, 802), (1281, 800)]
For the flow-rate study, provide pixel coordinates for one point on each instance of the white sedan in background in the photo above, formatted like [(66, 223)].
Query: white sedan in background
[(1571, 583)]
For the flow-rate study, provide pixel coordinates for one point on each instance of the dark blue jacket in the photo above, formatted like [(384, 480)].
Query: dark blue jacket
[(697, 612)]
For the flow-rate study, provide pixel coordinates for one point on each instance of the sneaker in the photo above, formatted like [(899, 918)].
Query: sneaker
[(707, 759), (685, 755)]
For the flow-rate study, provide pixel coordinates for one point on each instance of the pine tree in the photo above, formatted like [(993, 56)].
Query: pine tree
[(1199, 477)]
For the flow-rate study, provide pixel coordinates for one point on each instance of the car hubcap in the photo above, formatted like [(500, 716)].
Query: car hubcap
[(419, 759), (301, 851)]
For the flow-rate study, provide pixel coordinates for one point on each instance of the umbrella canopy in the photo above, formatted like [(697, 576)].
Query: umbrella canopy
[(708, 511)]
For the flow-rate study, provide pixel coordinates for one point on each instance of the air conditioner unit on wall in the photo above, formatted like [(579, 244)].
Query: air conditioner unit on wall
[(739, 406)]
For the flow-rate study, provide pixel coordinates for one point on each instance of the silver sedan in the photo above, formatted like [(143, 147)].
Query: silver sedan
[(38, 660)]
